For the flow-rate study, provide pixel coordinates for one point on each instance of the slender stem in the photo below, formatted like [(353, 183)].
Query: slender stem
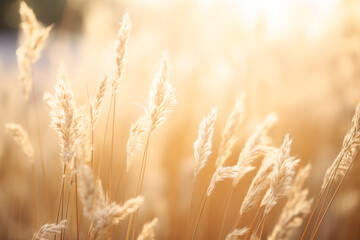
[(138, 182), (62, 206), (112, 147), (262, 228), (236, 222), (229, 196), (332, 176), (67, 209), (259, 224), (129, 227), (318, 199), (61, 196), (329, 204), (36, 200), (255, 218), (124, 190), (92, 146), (188, 218), (41, 153), (198, 220), (103, 145), (323, 205), (119, 182), (142, 181), (76, 202)]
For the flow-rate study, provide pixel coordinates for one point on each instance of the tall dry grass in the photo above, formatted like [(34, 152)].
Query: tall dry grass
[(174, 166)]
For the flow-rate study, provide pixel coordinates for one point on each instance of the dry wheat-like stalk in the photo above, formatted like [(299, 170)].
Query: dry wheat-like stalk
[(237, 233), (231, 131), (296, 208), (223, 173), (134, 142), (258, 137), (203, 145), (259, 183), (47, 231), (22, 138), (282, 175), (34, 40), (96, 106), (148, 231), (97, 208), (257, 152), (66, 118), (92, 196), (112, 214), (162, 95), (350, 147), (255, 145), (121, 46)]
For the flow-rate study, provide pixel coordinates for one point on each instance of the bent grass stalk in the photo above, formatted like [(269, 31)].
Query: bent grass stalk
[(104, 140), (142, 174), (76, 202), (330, 202), (188, 218), (320, 195), (35, 196), (112, 147), (67, 210), (61, 198), (41, 153), (138, 182), (327, 193), (198, 219), (228, 200)]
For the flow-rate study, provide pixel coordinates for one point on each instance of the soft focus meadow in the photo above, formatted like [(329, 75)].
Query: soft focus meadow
[(183, 119)]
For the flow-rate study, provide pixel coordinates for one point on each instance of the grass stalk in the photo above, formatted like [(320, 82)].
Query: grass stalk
[(104, 140), (41, 152), (188, 218), (142, 174), (112, 147), (228, 200), (316, 228), (138, 183), (198, 219), (320, 195), (61, 198), (36, 200), (76, 202)]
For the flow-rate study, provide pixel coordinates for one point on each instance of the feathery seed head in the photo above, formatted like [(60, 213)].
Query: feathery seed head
[(22, 138), (259, 183), (348, 152), (99, 101), (282, 175), (121, 46), (223, 173), (47, 231), (295, 209), (134, 142), (203, 145), (34, 40), (237, 233), (231, 131), (148, 230), (162, 95)]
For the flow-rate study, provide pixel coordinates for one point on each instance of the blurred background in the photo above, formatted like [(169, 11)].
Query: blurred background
[(297, 58)]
